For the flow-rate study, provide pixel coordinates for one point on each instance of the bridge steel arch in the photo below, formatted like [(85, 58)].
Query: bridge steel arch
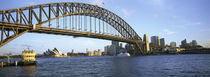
[(21, 20)]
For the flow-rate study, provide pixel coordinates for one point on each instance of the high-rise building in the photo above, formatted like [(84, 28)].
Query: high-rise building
[(106, 50), (113, 49), (183, 43), (128, 47), (162, 42), (146, 40), (121, 46), (194, 43), (173, 44), (158, 41), (116, 43), (94, 53), (155, 40), (116, 47)]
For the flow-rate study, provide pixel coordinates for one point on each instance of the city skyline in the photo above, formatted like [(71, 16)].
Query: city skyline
[(154, 18)]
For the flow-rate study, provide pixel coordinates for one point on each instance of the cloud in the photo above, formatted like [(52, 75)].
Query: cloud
[(126, 12), (97, 2), (166, 32), (193, 23)]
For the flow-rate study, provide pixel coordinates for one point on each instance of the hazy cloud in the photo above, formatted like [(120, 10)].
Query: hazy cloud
[(166, 32)]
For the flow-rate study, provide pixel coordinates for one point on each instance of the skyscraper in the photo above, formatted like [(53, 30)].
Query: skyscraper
[(116, 43), (106, 50), (183, 43), (162, 42), (155, 40), (173, 44), (146, 40), (114, 49)]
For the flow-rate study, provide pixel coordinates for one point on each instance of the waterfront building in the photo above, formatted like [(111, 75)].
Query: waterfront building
[(158, 41), (190, 44), (128, 47), (110, 50), (116, 43), (99, 52), (113, 50), (194, 43), (173, 44), (94, 53), (184, 43), (116, 46), (106, 50), (71, 53), (162, 42), (121, 46), (155, 40)]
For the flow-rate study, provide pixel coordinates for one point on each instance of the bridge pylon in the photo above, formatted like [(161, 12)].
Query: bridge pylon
[(146, 46)]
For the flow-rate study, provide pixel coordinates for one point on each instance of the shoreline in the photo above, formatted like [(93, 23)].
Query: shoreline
[(193, 51)]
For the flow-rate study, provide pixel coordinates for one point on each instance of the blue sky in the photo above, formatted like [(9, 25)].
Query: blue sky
[(173, 20)]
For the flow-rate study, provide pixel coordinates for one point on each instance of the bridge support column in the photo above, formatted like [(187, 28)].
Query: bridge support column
[(146, 44)]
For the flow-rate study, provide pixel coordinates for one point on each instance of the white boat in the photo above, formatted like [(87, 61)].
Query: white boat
[(123, 54)]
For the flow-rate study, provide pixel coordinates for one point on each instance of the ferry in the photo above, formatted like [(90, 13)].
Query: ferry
[(28, 58)]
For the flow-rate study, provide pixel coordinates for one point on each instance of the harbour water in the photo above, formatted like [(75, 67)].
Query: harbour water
[(109, 66)]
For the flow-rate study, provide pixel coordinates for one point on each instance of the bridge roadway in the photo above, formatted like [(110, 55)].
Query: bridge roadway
[(47, 30)]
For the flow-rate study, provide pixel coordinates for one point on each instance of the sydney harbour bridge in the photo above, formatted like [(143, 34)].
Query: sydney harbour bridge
[(69, 18)]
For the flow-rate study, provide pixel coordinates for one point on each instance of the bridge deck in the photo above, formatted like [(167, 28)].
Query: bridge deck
[(48, 30)]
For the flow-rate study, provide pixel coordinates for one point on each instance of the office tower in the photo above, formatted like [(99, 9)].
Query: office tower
[(173, 44), (162, 42), (155, 40)]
